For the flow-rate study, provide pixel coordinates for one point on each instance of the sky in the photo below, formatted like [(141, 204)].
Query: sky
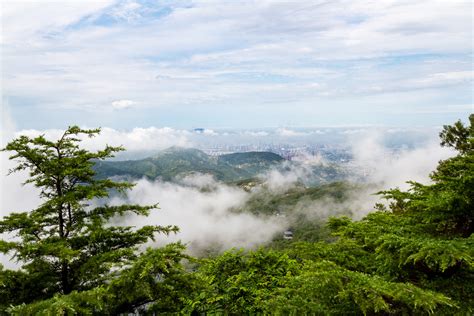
[(235, 64)]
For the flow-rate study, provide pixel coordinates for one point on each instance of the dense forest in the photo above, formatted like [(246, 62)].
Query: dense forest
[(413, 255)]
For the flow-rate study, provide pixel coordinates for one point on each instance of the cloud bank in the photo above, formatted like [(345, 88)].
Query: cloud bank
[(232, 63), (389, 168), (203, 210), (137, 139)]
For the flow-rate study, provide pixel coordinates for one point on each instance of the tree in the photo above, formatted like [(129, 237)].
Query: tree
[(425, 236), (236, 283), (155, 283), (445, 207), (274, 282), (67, 243)]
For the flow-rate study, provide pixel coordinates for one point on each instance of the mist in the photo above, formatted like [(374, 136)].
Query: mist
[(389, 168), (205, 209), (14, 195), (374, 165)]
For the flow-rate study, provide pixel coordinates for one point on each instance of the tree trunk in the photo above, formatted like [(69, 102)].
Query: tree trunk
[(66, 286)]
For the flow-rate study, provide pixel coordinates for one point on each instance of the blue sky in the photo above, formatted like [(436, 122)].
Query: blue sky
[(240, 64)]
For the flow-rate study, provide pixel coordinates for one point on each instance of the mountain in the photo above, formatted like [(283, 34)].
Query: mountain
[(176, 161)]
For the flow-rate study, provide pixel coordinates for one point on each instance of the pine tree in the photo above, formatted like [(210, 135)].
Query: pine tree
[(67, 243), (425, 236)]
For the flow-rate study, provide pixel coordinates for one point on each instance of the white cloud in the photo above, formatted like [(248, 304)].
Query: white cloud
[(127, 10), (151, 138), (285, 132), (229, 54), (388, 168), (354, 131), (256, 133), (27, 20), (447, 78), (210, 132), (123, 104), (280, 180), (14, 197), (205, 218)]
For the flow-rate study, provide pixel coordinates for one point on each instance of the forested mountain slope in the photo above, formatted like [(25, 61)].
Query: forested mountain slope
[(176, 161)]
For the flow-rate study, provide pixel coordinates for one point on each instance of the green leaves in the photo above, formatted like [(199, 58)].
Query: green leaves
[(270, 282), (155, 282), (65, 243), (90, 302), (324, 287), (458, 136), (238, 283)]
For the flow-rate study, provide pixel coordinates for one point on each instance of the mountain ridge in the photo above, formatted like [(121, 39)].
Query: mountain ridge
[(178, 161)]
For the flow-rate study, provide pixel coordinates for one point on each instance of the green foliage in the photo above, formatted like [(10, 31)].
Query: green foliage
[(155, 283), (250, 159), (269, 282), (425, 235), (445, 207), (238, 283), (89, 302), (296, 205), (459, 136), (325, 288), (66, 244), (345, 252), (267, 202)]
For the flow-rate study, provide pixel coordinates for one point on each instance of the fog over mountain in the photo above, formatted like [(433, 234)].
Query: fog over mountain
[(204, 208)]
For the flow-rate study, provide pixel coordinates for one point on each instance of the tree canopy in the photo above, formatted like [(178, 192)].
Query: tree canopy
[(67, 243)]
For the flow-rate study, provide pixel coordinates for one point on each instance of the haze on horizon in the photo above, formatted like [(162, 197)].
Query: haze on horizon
[(246, 64)]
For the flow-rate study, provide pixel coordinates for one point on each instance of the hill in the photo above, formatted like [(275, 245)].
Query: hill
[(305, 209), (176, 161)]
